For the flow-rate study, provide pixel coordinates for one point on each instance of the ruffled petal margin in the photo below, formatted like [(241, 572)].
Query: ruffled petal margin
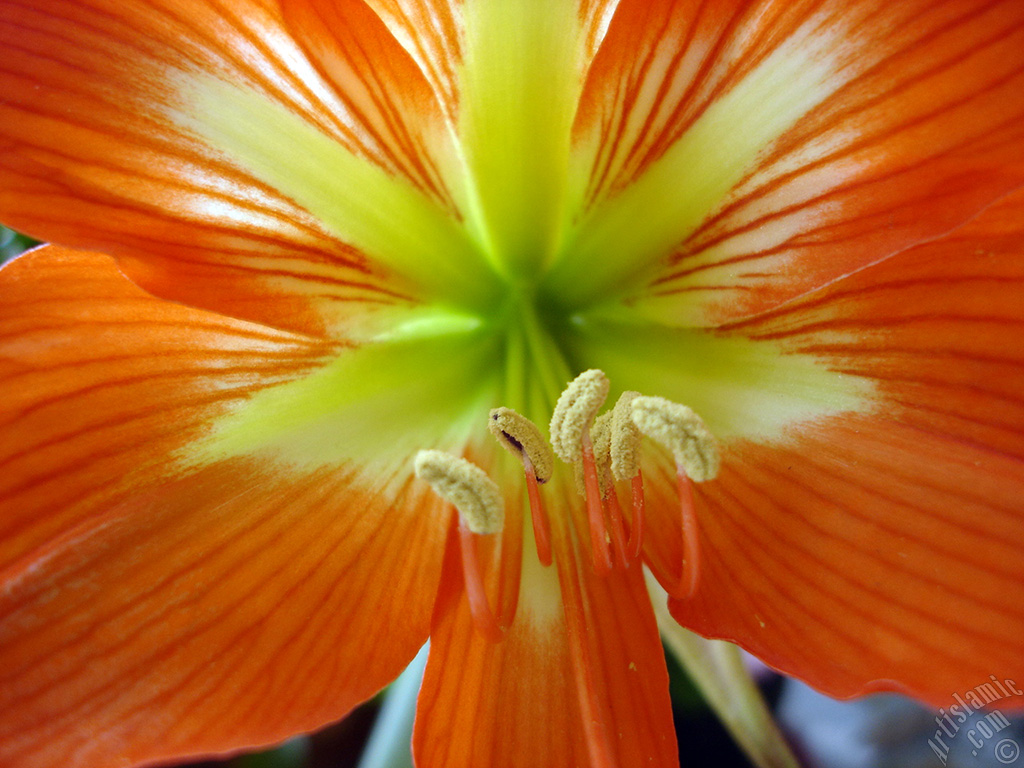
[(153, 609), (881, 550)]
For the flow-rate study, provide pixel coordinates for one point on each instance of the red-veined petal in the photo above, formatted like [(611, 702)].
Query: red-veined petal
[(154, 607), (519, 89), (509, 76), (93, 125), (581, 669), (380, 84), (880, 549), (431, 31), (901, 122), (98, 375)]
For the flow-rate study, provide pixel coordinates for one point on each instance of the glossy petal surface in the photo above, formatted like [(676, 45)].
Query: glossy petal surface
[(153, 607), (107, 117), (789, 144), (885, 542), (799, 219)]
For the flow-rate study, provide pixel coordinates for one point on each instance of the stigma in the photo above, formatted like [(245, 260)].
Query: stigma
[(604, 452)]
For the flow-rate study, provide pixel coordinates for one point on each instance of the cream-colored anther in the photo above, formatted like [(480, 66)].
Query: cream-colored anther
[(681, 431), (464, 484), (521, 436), (625, 438), (574, 411), (601, 439)]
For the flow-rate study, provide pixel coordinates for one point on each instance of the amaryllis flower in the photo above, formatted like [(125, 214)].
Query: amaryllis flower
[(301, 241)]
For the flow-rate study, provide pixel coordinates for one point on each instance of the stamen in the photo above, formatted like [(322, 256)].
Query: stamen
[(602, 557), (617, 529), (574, 412), (570, 435), (625, 438), (681, 431), (478, 501), (616, 443), (521, 437), (479, 608), (691, 551), (601, 437), (697, 458), (541, 533), (636, 530), (475, 496)]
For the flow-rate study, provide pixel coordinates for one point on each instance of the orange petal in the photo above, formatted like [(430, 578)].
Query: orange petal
[(88, 129), (103, 382), (430, 30), (522, 701), (918, 127), (151, 610), (379, 82), (880, 550)]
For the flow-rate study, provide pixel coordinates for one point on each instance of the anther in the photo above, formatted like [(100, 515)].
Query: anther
[(476, 497), (681, 431), (624, 438), (616, 441), (575, 410), (697, 458), (570, 435), (601, 439), (521, 437)]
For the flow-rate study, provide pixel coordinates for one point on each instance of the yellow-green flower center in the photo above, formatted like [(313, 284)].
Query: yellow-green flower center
[(530, 281)]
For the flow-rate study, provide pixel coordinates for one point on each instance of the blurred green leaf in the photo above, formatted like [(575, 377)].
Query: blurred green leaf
[(12, 243), (291, 754)]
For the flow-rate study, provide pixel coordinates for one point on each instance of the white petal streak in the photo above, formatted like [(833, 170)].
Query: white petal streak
[(677, 191)]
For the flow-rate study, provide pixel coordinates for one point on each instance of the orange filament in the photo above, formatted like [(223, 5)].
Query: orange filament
[(512, 559), (479, 607), (601, 555), (691, 547), (541, 534), (617, 530), (684, 585), (636, 528)]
